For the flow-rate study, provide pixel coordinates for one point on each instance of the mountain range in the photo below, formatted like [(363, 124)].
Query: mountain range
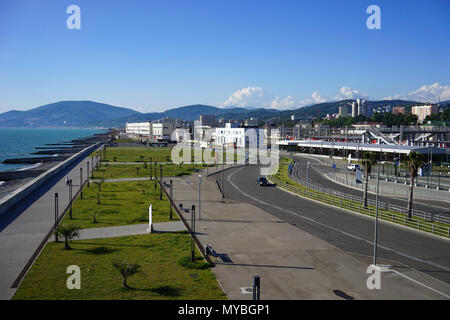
[(94, 114)]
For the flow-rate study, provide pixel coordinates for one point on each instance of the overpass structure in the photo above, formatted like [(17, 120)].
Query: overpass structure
[(344, 149)]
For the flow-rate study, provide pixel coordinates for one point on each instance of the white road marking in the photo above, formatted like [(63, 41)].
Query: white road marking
[(339, 230)]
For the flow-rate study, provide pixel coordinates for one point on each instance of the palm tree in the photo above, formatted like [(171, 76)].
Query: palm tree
[(68, 231), (413, 162), (368, 160), (126, 270)]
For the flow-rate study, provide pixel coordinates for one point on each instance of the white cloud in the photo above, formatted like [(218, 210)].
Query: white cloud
[(258, 97), (348, 93), (426, 93), (249, 97), (430, 93)]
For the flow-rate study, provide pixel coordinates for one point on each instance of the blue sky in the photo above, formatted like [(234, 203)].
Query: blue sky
[(154, 55)]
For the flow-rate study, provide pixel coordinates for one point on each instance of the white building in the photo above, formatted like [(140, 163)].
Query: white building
[(156, 130), (139, 128), (164, 128), (423, 111), (231, 135)]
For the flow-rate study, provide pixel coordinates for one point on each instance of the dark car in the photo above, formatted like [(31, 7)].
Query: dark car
[(262, 181)]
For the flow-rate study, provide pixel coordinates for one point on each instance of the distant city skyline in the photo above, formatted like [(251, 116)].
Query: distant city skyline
[(153, 56)]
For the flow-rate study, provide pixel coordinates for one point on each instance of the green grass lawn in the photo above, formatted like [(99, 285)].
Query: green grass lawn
[(162, 277), (118, 171), (121, 203), (141, 154)]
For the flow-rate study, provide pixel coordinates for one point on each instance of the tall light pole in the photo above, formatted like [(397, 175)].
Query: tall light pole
[(156, 176), (160, 182), (81, 182), (88, 173), (69, 183), (171, 197), (221, 174), (151, 169), (375, 241), (192, 211), (307, 172), (199, 197), (56, 216)]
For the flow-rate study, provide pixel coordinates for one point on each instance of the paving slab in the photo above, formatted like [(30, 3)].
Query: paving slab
[(292, 263)]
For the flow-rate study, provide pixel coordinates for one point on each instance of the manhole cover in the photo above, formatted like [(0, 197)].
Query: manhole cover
[(246, 290)]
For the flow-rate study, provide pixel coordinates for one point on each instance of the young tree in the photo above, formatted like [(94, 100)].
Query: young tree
[(413, 162), (368, 160), (99, 185), (68, 231), (126, 270)]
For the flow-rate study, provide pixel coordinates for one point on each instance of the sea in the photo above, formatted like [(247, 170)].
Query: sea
[(20, 142)]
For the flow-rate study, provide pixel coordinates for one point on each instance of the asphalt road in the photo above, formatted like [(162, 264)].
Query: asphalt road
[(314, 176), (349, 232)]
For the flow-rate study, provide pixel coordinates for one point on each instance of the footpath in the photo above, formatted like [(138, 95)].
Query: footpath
[(292, 263), (30, 225)]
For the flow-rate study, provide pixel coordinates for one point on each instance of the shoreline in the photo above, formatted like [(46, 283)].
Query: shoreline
[(11, 180)]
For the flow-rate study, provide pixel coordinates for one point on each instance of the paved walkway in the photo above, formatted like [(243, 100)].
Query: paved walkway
[(26, 226), (292, 263), (129, 230)]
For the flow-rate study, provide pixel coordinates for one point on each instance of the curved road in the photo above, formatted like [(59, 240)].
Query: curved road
[(349, 232), (316, 177)]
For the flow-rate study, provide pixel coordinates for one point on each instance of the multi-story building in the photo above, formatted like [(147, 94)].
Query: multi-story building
[(163, 129), (343, 111), (423, 111), (139, 128), (207, 120), (231, 135), (398, 110), (354, 109)]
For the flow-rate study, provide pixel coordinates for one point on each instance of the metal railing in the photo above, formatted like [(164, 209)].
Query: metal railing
[(420, 220)]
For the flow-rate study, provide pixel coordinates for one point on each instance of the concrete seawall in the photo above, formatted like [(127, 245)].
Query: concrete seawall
[(8, 202)]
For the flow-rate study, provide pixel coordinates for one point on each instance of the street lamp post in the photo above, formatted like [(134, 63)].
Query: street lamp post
[(81, 183), (376, 218), (221, 174), (151, 169), (307, 172), (56, 216), (160, 181), (69, 183), (156, 176), (171, 197), (192, 211), (88, 173), (199, 197)]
